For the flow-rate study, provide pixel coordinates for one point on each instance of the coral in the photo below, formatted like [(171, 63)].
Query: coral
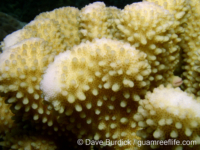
[(96, 21), (191, 47), (6, 115), (68, 20), (179, 8), (46, 29), (114, 12), (72, 74), (169, 113), (150, 28), (102, 63), (22, 66), (93, 80), (185, 13), (33, 142)]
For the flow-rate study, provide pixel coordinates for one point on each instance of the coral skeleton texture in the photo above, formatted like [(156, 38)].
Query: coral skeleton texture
[(103, 73)]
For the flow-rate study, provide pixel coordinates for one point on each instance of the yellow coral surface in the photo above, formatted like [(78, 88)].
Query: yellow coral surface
[(169, 113), (25, 142), (95, 79), (150, 28), (68, 23), (6, 115), (72, 74)]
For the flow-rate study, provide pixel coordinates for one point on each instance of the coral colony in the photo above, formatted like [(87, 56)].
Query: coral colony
[(74, 79)]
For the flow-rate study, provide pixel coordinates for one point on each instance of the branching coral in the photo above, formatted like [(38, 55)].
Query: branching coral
[(46, 29), (191, 47), (73, 73), (96, 79), (22, 66), (169, 113), (179, 8), (187, 16), (68, 22), (28, 142), (6, 115), (151, 29), (97, 21)]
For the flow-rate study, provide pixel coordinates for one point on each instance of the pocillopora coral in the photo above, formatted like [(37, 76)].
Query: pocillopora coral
[(97, 21), (150, 28), (21, 69), (68, 23), (102, 73), (46, 29), (169, 113), (95, 79), (6, 117), (28, 142), (191, 47)]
